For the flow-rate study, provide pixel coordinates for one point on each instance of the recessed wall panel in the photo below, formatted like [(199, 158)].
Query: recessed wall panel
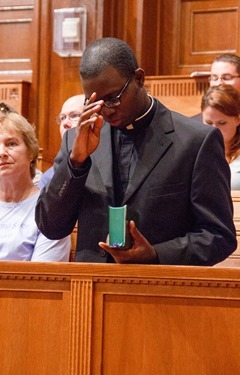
[(209, 34)]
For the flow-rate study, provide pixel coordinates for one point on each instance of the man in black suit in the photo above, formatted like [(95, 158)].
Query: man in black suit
[(128, 149), (225, 69)]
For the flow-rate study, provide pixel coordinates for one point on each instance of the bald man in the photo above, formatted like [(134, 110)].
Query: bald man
[(67, 119)]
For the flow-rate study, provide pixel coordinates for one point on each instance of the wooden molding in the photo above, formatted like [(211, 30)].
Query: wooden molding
[(92, 319), (182, 94)]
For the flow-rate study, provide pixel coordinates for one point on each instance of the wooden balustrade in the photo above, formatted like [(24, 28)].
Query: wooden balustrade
[(93, 319), (182, 94)]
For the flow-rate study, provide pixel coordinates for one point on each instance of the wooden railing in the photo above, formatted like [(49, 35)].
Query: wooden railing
[(236, 218), (92, 319), (234, 259), (182, 94)]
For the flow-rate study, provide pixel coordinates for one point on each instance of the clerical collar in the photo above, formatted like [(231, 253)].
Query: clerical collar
[(149, 109), (144, 120)]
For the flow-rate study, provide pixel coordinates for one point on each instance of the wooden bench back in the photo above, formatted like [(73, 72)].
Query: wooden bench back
[(236, 218), (182, 94), (234, 259)]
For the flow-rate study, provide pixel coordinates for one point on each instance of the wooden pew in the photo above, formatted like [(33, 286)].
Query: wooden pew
[(234, 259), (236, 217), (73, 244), (182, 94), (93, 319)]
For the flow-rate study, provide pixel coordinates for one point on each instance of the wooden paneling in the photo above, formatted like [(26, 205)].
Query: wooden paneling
[(197, 34), (19, 48), (182, 94), (234, 259), (177, 36), (93, 319), (16, 94), (168, 37), (59, 76), (73, 244), (204, 20), (26, 52), (138, 22), (197, 22), (15, 28), (236, 217)]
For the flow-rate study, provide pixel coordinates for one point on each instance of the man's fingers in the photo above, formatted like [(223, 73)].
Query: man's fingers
[(96, 124), (137, 236)]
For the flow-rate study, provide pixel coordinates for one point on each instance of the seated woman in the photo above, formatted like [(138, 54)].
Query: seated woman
[(20, 237), (221, 108)]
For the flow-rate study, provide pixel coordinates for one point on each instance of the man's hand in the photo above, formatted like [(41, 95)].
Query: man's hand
[(88, 130), (141, 251)]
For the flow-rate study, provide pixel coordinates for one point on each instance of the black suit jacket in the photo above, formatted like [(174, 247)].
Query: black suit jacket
[(179, 195)]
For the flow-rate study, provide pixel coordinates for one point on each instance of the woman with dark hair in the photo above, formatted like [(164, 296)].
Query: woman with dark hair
[(221, 108)]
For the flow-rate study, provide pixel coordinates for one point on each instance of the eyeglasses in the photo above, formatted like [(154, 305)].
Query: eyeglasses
[(116, 101), (72, 116), (227, 78)]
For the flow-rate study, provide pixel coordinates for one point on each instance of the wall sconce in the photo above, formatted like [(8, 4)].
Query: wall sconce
[(70, 26)]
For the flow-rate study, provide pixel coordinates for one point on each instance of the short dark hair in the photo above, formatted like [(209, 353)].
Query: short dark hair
[(229, 58), (104, 52)]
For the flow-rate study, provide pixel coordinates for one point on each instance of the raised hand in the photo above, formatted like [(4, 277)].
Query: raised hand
[(87, 131)]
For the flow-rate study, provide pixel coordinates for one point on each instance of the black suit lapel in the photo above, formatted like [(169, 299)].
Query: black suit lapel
[(154, 146)]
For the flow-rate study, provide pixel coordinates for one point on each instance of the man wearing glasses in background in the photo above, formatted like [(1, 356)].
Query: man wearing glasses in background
[(225, 70), (128, 149), (67, 119)]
